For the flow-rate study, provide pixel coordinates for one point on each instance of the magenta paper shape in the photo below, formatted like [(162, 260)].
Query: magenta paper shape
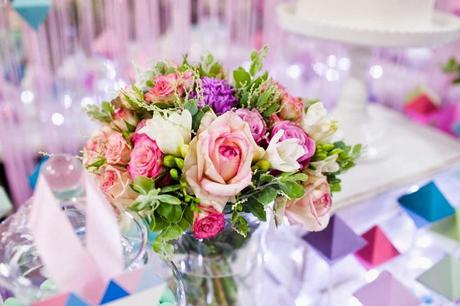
[(74, 267), (386, 291), (378, 250), (336, 241)]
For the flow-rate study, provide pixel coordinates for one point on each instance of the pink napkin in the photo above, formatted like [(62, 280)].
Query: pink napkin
[(73, 266)]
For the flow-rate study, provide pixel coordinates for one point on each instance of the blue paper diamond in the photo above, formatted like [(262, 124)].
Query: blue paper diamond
[(75, 301), (428, 203), (113, 292), (34, 12)]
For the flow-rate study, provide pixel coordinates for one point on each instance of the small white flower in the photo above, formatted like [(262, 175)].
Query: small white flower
[(328, 165), (317, 123), (283, 155), (170, 133)]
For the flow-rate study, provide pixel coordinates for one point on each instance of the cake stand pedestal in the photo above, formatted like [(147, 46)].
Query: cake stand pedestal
[(398, 151)]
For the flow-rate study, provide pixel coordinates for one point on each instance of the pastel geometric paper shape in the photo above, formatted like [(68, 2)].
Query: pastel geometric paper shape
[(336, 241), (150, 296), (418, 220), (386, 290), (129, 280), (378, 250), (34, 12), (65, 299), (422, 104), (148, 280), (444, 278), (449, 227), (13, 302), (113, 292), (428, 203)]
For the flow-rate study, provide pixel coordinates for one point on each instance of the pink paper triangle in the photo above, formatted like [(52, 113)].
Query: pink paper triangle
[(378, 250), (58, 300), (129, 280)]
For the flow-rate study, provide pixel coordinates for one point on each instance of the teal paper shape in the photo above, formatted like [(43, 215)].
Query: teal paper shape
[(428, 203), (13, 302), (449, 227), (113, 292), (34, 12), (444, 278), (5, 204), (75, 301)]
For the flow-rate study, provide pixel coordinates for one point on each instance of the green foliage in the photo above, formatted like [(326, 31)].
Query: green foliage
[(210, 67), (453, 67), (102, 113)]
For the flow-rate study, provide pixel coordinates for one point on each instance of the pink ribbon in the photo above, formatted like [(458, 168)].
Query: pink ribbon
[(73, 266)]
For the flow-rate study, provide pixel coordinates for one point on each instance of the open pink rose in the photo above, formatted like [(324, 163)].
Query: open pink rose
[(95, 147), (163, 89), (124, 120), (218, 164), (145, 158), (117, 149), (292, 130), (207, 223), (256, 122), (114, 182), (313, 210)]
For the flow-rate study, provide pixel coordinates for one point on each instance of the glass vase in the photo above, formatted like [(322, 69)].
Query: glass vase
[(221, 271)]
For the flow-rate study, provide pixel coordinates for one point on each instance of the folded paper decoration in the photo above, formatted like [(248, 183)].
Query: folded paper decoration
[(444, 278), (336, 241), (386, 290), (426, 205), (449, 227), (378, 250), (34, 12)]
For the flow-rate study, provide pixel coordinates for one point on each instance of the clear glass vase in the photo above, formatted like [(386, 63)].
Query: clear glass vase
[(221, 271), (23, 276)]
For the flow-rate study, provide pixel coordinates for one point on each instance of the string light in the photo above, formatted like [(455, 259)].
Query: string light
[(57, 119), (27, 97)]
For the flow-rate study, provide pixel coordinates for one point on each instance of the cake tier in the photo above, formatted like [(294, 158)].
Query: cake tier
[(369, 14)]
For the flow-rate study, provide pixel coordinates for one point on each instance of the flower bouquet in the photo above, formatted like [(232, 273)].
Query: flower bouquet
[(203, 157)]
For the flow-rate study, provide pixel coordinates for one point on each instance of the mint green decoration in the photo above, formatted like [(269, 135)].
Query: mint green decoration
[(449, 227), (167, 298), (34, 12), (13, 302), (5, 204), (444, 278)]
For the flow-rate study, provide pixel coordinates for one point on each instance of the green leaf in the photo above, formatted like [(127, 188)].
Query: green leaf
[(298, 177), (241, 77), (160, 224), (143, 184), (98, 163), (169, 199), (171, 232), (107, 107), (267, 195), (257, 209), (266, 178), (257, 60), (240, 225), (170, 188), (279, 209), (293, 190), (273, 108), (172, 213), (191, 106)]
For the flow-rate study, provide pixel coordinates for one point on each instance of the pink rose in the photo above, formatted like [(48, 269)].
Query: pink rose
[(145, 158), (292, 108), (124, 120), (292, 130), (95, 147), (207, 223), (163, 89), (218, 164), (114, 182), (313, 210), (256, 122), (117, 149)]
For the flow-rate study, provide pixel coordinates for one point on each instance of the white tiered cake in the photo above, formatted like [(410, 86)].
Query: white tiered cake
[(369, 14)]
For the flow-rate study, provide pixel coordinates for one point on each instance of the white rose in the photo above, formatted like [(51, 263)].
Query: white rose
[(317, 123), (328, 165), (171, 132), (283, 155)]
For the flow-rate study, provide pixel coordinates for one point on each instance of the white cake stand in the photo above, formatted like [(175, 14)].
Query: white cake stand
[(398, 150), (361, 123)]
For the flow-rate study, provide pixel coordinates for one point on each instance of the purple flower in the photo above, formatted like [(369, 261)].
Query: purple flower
[(292, 130), (218, 94), (256, 122)]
